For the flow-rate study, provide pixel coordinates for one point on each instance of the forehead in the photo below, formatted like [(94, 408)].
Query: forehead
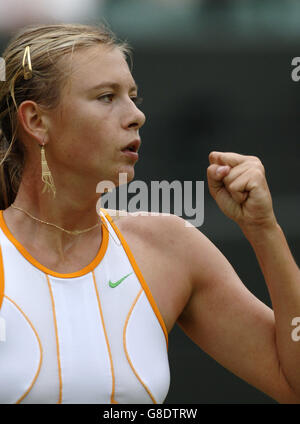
[(90, 67)]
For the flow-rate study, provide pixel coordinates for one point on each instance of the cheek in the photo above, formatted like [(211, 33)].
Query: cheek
[(89, 123), (89, 128)]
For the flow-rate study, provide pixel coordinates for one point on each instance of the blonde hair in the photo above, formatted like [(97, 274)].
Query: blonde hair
[(50, 46)]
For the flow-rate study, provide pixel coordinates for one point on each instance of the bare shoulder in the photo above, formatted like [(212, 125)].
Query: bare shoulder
[(158, 230)]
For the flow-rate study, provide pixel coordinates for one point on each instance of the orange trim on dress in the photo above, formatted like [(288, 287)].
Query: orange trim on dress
[(112, 400), (40, 347), (57, 341), (126, 352), (138, 274), (2, 281), (34, 262)]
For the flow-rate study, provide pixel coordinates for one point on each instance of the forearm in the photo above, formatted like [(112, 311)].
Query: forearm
[(282, 276)]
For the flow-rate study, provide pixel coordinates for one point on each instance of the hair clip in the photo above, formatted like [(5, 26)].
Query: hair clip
[(27, 68)]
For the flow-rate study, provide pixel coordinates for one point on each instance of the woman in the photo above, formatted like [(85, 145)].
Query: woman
[(88, 303)]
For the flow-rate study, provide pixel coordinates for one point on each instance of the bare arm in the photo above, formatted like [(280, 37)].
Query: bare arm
[(222, 316), (282, 277), (230, 324)]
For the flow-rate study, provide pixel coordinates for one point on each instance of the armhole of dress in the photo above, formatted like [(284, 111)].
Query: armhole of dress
[(137, 272), (2, 283)]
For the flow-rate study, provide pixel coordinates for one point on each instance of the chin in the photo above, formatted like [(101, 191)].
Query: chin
[(123, 179)]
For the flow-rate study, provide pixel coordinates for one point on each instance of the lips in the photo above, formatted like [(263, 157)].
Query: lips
[(133, 146)]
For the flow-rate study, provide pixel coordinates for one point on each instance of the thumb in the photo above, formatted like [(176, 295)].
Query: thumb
[(215, 175)]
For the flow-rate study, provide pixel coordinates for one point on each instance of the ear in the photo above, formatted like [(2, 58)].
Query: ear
[(33, 121)]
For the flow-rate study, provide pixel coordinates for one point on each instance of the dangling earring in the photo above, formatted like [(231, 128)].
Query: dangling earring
[(46, 174)]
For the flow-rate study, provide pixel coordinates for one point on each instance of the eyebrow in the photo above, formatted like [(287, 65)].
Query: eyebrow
[(114, 85)]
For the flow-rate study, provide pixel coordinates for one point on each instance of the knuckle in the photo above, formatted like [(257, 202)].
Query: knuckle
[(257, 163), (255, 159), (258, 173), (262, 168)]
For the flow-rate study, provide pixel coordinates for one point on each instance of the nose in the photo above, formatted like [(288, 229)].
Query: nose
[(135, 118)]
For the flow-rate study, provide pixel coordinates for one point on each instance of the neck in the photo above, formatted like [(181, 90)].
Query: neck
[(71, 211)]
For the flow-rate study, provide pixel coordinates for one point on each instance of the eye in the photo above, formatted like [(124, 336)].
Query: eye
[(107, 98), (137, 100)]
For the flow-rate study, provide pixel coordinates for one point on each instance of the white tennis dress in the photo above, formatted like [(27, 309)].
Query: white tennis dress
[(92, 336)]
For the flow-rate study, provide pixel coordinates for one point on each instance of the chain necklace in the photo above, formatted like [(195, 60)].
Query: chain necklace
[(74, 232)]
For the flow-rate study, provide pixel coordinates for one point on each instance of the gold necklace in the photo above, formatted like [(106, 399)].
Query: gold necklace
[(74, 232)]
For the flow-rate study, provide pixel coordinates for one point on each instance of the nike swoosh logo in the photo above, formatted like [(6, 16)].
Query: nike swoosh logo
[(113, 285)]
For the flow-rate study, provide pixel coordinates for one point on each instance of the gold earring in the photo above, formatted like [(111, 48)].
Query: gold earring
[(46, 174)]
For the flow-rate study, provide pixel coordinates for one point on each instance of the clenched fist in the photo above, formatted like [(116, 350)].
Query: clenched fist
[(239, 187)]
